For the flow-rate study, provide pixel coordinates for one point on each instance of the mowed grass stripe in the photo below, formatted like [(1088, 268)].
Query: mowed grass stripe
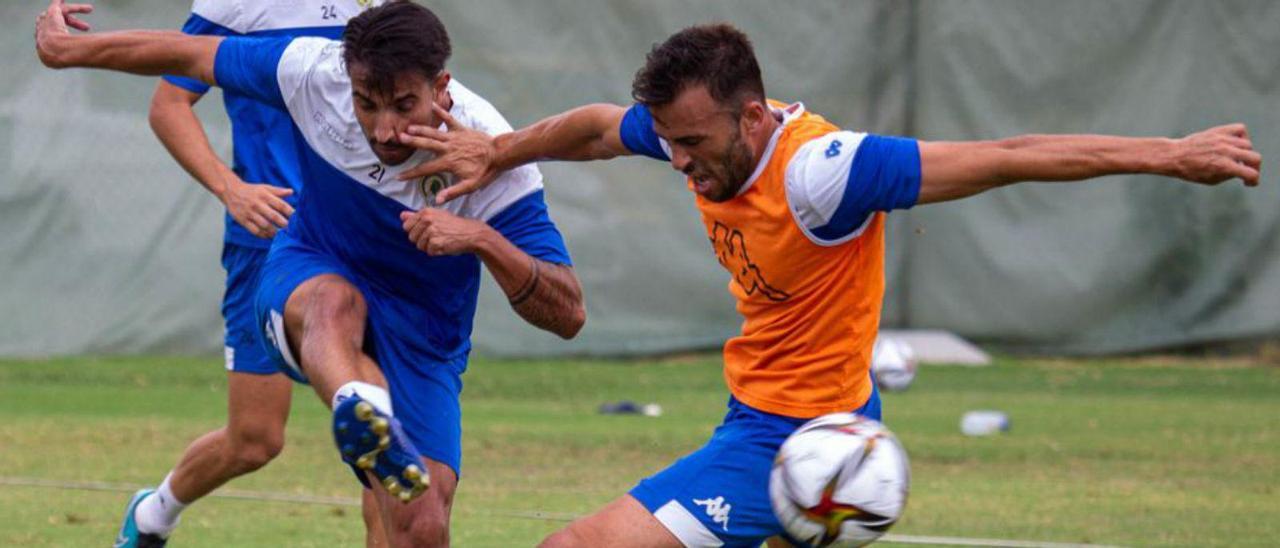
[(1110, 452)]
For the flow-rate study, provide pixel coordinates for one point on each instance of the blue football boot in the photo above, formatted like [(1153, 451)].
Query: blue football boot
[(129, 536), (372, 441)]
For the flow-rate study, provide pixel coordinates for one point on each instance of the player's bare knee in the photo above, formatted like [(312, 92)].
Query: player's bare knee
[(254, 451), (334, 305)]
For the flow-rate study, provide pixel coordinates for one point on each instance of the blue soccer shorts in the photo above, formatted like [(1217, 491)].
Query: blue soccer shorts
[(243, 351), (424, 391), (719, 494)]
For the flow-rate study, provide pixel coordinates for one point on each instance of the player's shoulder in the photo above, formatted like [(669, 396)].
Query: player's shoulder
[(312, 66), (314, 51), (823, 159), (475, 112), (817, 175), (252, 17)]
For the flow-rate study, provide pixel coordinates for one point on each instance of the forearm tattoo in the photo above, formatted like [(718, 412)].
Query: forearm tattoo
[(551, 299)]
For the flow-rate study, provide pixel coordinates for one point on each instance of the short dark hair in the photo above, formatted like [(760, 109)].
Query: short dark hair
[(716, 55), (395, 38)]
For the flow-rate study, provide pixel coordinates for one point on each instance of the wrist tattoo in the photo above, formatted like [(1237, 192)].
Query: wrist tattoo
[(529, 287)]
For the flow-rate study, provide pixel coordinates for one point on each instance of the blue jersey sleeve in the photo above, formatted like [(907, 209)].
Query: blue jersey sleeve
[(638, 135), (198, 26), (526, 224), (884, 175), (250, 66)]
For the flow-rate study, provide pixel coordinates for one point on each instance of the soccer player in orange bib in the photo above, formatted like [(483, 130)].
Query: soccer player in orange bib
[(795, 208)]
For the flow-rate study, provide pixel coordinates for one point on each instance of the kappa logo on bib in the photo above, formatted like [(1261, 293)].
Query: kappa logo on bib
[(731, 250)]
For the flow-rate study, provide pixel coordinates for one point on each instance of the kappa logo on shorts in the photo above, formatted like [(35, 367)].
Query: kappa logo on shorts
[(717, 509), (731, 250), (269, 331)]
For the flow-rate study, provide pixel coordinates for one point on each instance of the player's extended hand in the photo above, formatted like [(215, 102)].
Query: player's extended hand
[(1216, 155), (438, 232), (466, 153), (52, 28), (260, 209)]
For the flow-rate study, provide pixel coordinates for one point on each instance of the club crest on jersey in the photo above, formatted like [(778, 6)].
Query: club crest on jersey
[(731, 251), (432, 185)]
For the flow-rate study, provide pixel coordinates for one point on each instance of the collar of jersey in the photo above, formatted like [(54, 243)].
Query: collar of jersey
[(787, 114)]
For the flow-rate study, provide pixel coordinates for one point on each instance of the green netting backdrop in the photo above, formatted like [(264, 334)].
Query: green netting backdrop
[(106, 246)]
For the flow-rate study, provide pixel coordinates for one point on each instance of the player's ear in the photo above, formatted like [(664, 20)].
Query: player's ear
[(439, 87), (753, 115)]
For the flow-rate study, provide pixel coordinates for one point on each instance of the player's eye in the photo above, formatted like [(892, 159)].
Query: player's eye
[(406, 105), (689, 141)]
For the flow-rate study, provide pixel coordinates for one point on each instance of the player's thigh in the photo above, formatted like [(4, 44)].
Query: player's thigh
[(292, 279), (425, 520), (328, 303), (258, 407), (623, 523), (719, 494)]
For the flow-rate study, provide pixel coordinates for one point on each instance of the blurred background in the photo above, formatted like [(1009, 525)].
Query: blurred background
[(109, 266), (108, 247)]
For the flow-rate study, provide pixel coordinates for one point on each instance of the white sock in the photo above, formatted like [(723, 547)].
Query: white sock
[(371, 393), (158, 514)]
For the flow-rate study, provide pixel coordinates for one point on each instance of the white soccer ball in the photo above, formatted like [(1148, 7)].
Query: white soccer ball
[(839, 480), (893, 364)]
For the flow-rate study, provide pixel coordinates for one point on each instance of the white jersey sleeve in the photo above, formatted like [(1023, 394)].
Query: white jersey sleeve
[(835, 182)]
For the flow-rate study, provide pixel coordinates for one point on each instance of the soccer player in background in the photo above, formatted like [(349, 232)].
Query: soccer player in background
[(265, 153), (794, 207), (369, 293)]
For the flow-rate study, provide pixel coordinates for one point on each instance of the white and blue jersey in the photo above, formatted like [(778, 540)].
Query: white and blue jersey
[(348, 224), (263, 148)]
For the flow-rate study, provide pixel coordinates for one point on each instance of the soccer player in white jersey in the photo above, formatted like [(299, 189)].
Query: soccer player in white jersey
[(259, 191), (369, 293)]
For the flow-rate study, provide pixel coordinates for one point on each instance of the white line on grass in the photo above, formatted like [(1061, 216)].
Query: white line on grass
[(546, 516)]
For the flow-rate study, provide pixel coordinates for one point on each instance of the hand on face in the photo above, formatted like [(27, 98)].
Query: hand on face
[(52, 25), (438, 232), (1216, 155), (466, 153)]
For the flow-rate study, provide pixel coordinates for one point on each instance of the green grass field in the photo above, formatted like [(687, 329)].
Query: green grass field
[(1124, 452)]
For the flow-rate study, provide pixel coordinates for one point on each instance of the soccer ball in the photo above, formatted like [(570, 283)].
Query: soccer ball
[(840, 480), (893, 364)]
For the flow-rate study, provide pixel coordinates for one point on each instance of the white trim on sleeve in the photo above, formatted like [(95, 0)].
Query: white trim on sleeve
[(816, 179)]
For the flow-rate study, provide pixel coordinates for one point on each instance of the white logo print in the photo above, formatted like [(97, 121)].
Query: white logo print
[(717, 509)]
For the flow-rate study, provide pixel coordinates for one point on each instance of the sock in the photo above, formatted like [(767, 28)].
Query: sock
[(158, 514), (373, 394)]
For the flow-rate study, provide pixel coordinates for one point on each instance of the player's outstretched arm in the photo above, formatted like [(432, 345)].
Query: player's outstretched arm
[(954, 170), (141, 52), (545, 294), (476, 158), (259, 208)]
